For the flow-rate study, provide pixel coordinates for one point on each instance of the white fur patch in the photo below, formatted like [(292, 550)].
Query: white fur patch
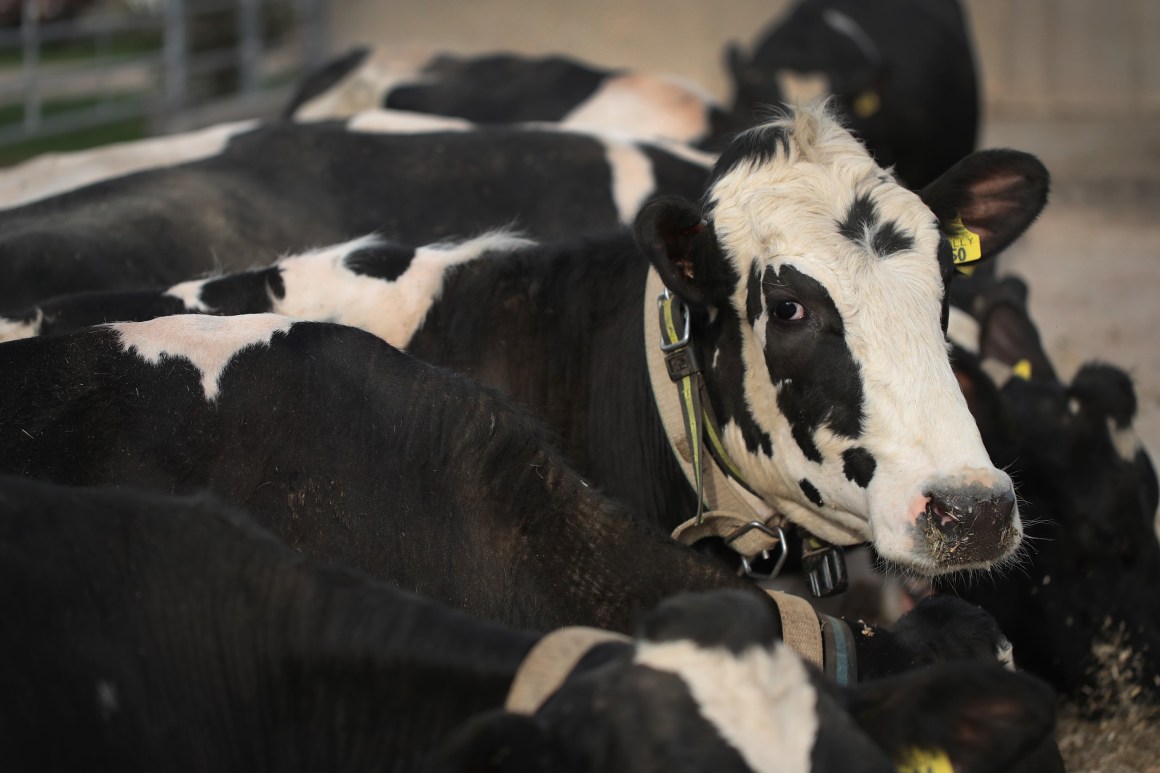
[(963, 330), (761, 701), (405, 122), (801, 87), (647, 106), (1126, 441), (319, 286), (189, 293), (1005, 654), (209, 343), (54, 173), (366, 86), (14, 330), (632, 177)]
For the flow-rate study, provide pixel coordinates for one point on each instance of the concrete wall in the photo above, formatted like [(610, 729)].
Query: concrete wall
[(1039, 58)]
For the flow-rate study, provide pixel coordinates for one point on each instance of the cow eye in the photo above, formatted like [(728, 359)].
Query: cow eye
[(789, 311)]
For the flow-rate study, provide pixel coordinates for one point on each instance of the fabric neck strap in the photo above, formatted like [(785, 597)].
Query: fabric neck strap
[(548, 664)]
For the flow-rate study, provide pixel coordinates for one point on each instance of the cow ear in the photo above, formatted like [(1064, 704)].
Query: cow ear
[(499, 742), (1008, 335), (968, 717), (683, 250), (986, 200)]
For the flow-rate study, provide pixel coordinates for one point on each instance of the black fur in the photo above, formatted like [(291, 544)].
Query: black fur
[(382, 261)]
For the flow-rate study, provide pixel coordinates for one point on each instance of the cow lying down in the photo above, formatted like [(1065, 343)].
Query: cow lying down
[(162, 633), (355, 453)]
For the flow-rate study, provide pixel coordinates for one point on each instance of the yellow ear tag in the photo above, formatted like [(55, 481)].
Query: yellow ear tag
[(965, 244), (1022, 369), (867, 103), (924, 761)]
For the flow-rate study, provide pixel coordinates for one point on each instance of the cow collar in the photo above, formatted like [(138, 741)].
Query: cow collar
[(826, 642), (735, 512), (545, 668)]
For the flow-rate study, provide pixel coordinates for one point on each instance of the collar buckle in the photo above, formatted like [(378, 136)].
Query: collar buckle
[(774, 533)]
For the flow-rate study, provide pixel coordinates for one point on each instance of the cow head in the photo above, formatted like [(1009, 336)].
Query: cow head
[(707, 686), (816, 286), (816, 50)]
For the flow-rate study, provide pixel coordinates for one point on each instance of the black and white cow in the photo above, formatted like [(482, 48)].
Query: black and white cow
[(51, 174), (508, 88), (287, 187), (160, 633), (355, 453), (901, 71), (1088, 490), (815, 291)]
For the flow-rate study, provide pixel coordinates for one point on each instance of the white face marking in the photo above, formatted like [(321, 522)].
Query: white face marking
[(319, 286), (798, 88), (14, 330), (761, 701), (786, 212), (1005, 654), (54, 173), (404, 122), (647, 106), (1126, 441), (209, 343), (365, 87), (963, 330)]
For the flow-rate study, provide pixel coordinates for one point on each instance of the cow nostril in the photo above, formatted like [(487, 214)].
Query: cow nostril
[(969, 525), (938, 513)]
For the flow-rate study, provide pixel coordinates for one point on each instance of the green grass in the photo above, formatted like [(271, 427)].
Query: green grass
[(118, 44), (116, 131)]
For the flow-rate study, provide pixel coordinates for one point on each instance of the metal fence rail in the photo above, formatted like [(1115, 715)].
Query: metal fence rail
[(162, 63)]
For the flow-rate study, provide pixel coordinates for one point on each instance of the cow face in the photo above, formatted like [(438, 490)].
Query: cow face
[(707, 686), (815, 51), (816, 287)]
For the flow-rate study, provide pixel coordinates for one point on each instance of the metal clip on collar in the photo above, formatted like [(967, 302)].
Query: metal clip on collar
[(775, 533), (666, 296), (825, 566)]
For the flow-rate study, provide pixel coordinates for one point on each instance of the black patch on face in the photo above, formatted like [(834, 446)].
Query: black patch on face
[(1105, 390), (753, 305), (380, 261), (817, 378), (860, 220), (889, 239), (759, 145), (863, 227), (725, 369), (247, 292), (734, 620), (811, 492), (859, 465)]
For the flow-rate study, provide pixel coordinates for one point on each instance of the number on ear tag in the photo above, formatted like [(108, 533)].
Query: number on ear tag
[(965, 244)]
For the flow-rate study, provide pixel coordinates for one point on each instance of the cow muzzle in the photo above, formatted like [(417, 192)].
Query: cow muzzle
[(967, 526)]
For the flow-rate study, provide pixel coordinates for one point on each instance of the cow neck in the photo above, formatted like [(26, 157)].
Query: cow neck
[(549, 663), (726, 506)]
